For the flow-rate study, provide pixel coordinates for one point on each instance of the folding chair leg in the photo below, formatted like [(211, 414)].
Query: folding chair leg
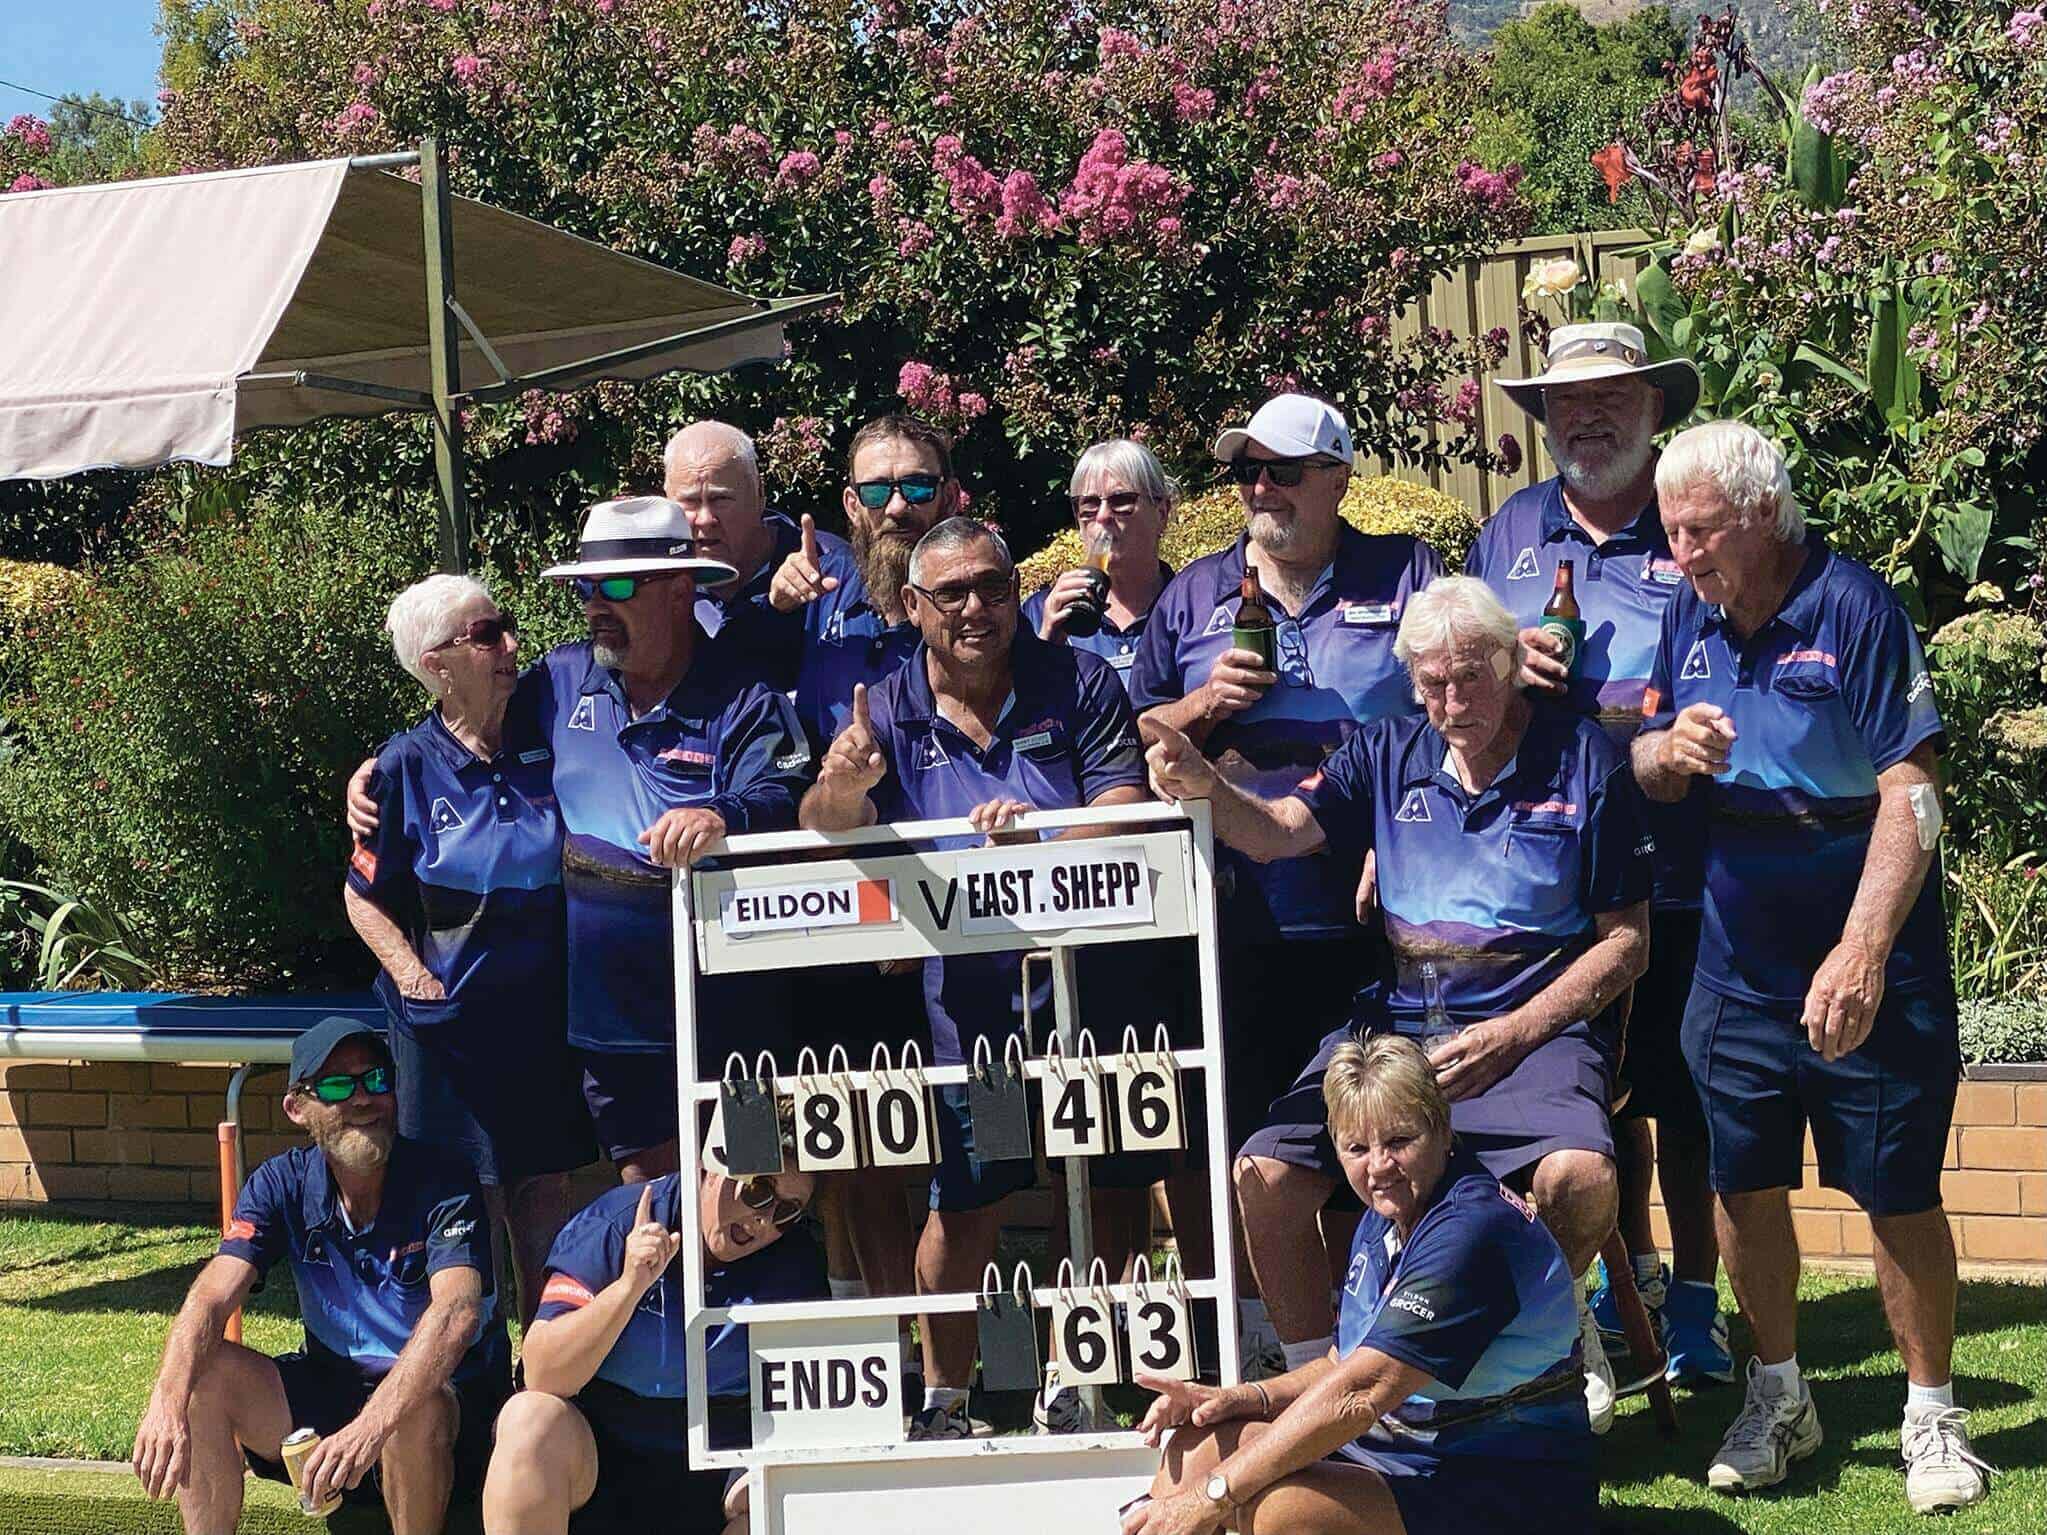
[(1627, 1300)]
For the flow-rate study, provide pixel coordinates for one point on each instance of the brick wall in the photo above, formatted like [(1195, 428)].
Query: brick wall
[(131, 1132)]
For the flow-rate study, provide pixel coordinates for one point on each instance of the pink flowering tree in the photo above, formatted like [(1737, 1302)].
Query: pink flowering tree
[(1049, 222)]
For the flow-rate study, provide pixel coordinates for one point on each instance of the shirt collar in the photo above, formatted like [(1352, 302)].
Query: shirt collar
[(602, 679), (441, 741), (1229, 570), (1646, 531), (918, 704), (1427, 757), (322, 1201), (1138, 621)]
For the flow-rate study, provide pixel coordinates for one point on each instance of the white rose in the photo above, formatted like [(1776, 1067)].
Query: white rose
[(1551, 279), (1703, 242)]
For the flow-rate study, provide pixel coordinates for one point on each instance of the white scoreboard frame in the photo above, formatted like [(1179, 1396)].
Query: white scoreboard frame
[(1039, 1478)]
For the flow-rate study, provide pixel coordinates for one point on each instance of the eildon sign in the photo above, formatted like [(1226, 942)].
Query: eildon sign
[(794, 908)]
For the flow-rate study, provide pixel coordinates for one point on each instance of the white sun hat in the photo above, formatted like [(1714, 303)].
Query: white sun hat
[(635, 535), (1578, 354), (1293, 426)]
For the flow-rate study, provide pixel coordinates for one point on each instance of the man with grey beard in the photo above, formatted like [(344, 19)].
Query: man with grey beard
[(405, 1362), (1601, 402)]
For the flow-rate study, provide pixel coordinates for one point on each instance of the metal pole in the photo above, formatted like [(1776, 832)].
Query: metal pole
[(444, 349), (1080, 1226)]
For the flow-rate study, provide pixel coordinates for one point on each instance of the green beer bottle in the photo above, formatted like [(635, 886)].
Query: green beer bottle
[(1253, 629), (1561, 618)]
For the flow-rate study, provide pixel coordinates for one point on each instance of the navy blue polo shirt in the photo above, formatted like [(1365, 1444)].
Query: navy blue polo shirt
[(1824, 697), (721, 741), (1499, 888), (651, 1357), (466, 859), (361, 1293), (1116, 646), (1337, 671), (1066, 737), (748, 635), (850, 642), (1622, 586), (1479, 1298)]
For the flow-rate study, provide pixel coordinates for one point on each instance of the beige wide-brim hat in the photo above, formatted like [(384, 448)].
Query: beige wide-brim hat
[(639, 535), (1578, 354)]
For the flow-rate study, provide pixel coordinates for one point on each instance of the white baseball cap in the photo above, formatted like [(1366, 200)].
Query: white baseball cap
[(1293, 426)]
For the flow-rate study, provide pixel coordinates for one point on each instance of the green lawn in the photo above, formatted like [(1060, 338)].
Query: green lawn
[(85, 1301)]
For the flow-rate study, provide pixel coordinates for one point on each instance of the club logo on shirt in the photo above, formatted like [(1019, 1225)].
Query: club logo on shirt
[(1413, 1305), (443, 818), (585, 717), (455, 1231), (1354, 1281), (566, 1290), (1697, 667), (1218, 621), (1524, 567), (241, 1231), (793, 762), (1919, 685), (931, 754), (1415, 807)]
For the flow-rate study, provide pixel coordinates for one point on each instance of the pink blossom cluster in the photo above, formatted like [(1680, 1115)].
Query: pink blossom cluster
[(1509, 448), (1026, 210), (1372, 83), (1492, 189), (1824, 99), (1282, 193), (1191, 104), (932, 393), (1262, 85), (468, 68), (1464, 407), (28, 183), (1113, 197), (913, 237), (2028, 30), (442, 5), (798, 168), (33, 132), (972, 188), (546, 419), (1114, 44), (740, 149), (356, 117), (745, 248)]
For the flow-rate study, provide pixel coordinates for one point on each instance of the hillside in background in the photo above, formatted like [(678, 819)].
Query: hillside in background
[(1782, 41)]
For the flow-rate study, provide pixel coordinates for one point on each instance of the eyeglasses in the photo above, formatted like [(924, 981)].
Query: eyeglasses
[(1122, 504), (340, 1087), (617, 588), (916, 489), (1294, 667), (758, 1193), (994, 592), (1284, 472), (483, 633)]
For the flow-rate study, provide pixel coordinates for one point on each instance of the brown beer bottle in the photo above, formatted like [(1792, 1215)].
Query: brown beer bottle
[(1560, 616), (1253, 629)]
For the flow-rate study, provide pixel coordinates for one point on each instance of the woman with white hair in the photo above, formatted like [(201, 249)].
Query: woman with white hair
[(1449, 1398), (1514, 873), (458, 894), (1121, 498)]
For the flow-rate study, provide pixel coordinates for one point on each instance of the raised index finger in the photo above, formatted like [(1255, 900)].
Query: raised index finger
[(646, 1210), (810, 540), (860, 715)]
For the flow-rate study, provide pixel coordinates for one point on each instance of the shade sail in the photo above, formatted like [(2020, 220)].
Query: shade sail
[(147, 321)]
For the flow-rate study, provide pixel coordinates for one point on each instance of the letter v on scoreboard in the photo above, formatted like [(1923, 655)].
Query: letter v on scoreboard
[(753, 909)]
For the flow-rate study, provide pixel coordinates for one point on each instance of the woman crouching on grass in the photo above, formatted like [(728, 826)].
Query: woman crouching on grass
[(1453, 1399)]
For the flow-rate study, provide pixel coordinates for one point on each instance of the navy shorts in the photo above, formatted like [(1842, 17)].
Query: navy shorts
[(327, 1394), (632, 1099), (959, 1182), (1554, 1100), (644, 1480), (1652, 1067), (1879, 1116), (509, 1106), (1487, 1492)]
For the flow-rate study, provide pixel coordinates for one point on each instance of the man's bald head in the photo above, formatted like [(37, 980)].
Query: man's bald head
[(711, 469)]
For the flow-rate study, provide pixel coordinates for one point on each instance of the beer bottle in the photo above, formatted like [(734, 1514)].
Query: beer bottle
[(1437, 1025), (1084, 615), (1560, 617), (1253, 629)]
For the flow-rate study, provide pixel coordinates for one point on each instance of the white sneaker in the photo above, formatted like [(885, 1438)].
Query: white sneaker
[(1942, 1472), (1599, 1390), (1773, 1429), (1058, 1409)]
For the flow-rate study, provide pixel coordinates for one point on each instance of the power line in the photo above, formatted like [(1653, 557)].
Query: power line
[(75, 100)]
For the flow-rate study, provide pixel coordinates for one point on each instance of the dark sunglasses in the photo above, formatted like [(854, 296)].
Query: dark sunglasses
[(914, 488), (1122, 504), (483, 633), (758, 1193), (617, 588), (341, 1087), (994, 592), (1285, 472)]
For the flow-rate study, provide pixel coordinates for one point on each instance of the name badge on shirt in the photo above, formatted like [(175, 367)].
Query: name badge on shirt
[(1122, 659), (1360, 613), (538, 754), (1662, 572), (1034, 740)]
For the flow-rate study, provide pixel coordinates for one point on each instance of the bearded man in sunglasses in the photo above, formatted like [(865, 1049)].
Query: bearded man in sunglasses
[(405, 1360), (1294, 951), (599, 1436), (984, 721)]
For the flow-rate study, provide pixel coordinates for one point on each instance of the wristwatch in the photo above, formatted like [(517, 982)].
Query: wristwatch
[(1217, 1489)]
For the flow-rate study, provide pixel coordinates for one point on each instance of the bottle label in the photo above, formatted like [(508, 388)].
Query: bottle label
[(1570, 633), (1260, 642)]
